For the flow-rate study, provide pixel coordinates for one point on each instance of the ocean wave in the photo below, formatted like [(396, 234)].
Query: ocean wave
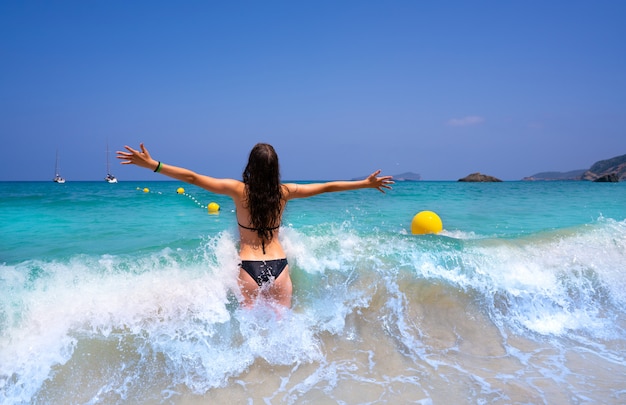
[(379, 309)]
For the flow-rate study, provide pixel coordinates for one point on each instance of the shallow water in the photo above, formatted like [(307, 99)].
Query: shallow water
[(110, 294)]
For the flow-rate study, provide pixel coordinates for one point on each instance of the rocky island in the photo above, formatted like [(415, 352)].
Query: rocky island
[(479, 178)]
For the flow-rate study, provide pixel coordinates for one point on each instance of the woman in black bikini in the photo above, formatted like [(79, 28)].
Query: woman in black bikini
[(260, 200)]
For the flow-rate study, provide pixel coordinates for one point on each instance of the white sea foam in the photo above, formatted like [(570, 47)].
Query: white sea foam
[(378, 310)]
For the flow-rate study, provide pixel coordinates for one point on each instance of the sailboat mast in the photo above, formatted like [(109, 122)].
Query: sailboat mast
[(57, 177), (56, 164), (109, 178)]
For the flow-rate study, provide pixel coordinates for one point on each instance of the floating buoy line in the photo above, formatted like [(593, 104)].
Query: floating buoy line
[(212, 207), (423, 222)]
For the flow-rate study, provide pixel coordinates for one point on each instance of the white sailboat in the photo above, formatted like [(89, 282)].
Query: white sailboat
[(109, 177), (57, 177)]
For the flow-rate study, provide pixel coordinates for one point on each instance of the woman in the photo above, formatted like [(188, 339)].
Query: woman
[(260, 201)]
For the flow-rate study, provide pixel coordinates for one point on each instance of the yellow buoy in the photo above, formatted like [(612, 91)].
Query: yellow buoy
[(426, 222), (213, 208), (180, 190), (146, 190)]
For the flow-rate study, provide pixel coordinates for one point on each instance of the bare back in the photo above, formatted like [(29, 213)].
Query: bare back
[(251, 247)]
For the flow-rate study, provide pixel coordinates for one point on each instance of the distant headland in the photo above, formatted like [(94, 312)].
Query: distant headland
[(609, 170), (606, 171)]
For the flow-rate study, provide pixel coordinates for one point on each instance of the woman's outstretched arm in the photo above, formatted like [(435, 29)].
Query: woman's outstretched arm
[(142, 158), (308, 190)]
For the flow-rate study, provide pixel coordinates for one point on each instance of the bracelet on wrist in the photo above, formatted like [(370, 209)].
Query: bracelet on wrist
[(158, 168)]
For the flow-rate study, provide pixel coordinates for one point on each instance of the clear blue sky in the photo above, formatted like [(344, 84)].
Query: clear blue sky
[(340, 88)]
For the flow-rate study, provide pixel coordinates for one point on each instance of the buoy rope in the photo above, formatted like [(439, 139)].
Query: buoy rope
[(191, 197)]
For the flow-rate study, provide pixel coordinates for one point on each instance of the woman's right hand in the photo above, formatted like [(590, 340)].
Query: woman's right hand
[(140, 158)]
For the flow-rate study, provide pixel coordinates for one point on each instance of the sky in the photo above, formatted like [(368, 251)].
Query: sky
[(339, 88)]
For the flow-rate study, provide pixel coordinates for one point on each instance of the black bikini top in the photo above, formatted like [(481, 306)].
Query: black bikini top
[(259, 229)]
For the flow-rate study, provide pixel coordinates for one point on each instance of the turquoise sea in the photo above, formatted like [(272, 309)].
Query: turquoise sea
[(110, 294)]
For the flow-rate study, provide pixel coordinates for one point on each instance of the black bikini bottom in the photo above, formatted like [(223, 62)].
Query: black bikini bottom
[(263, 271)]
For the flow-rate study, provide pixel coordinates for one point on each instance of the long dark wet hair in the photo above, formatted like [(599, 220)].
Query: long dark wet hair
[(263, 190)]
